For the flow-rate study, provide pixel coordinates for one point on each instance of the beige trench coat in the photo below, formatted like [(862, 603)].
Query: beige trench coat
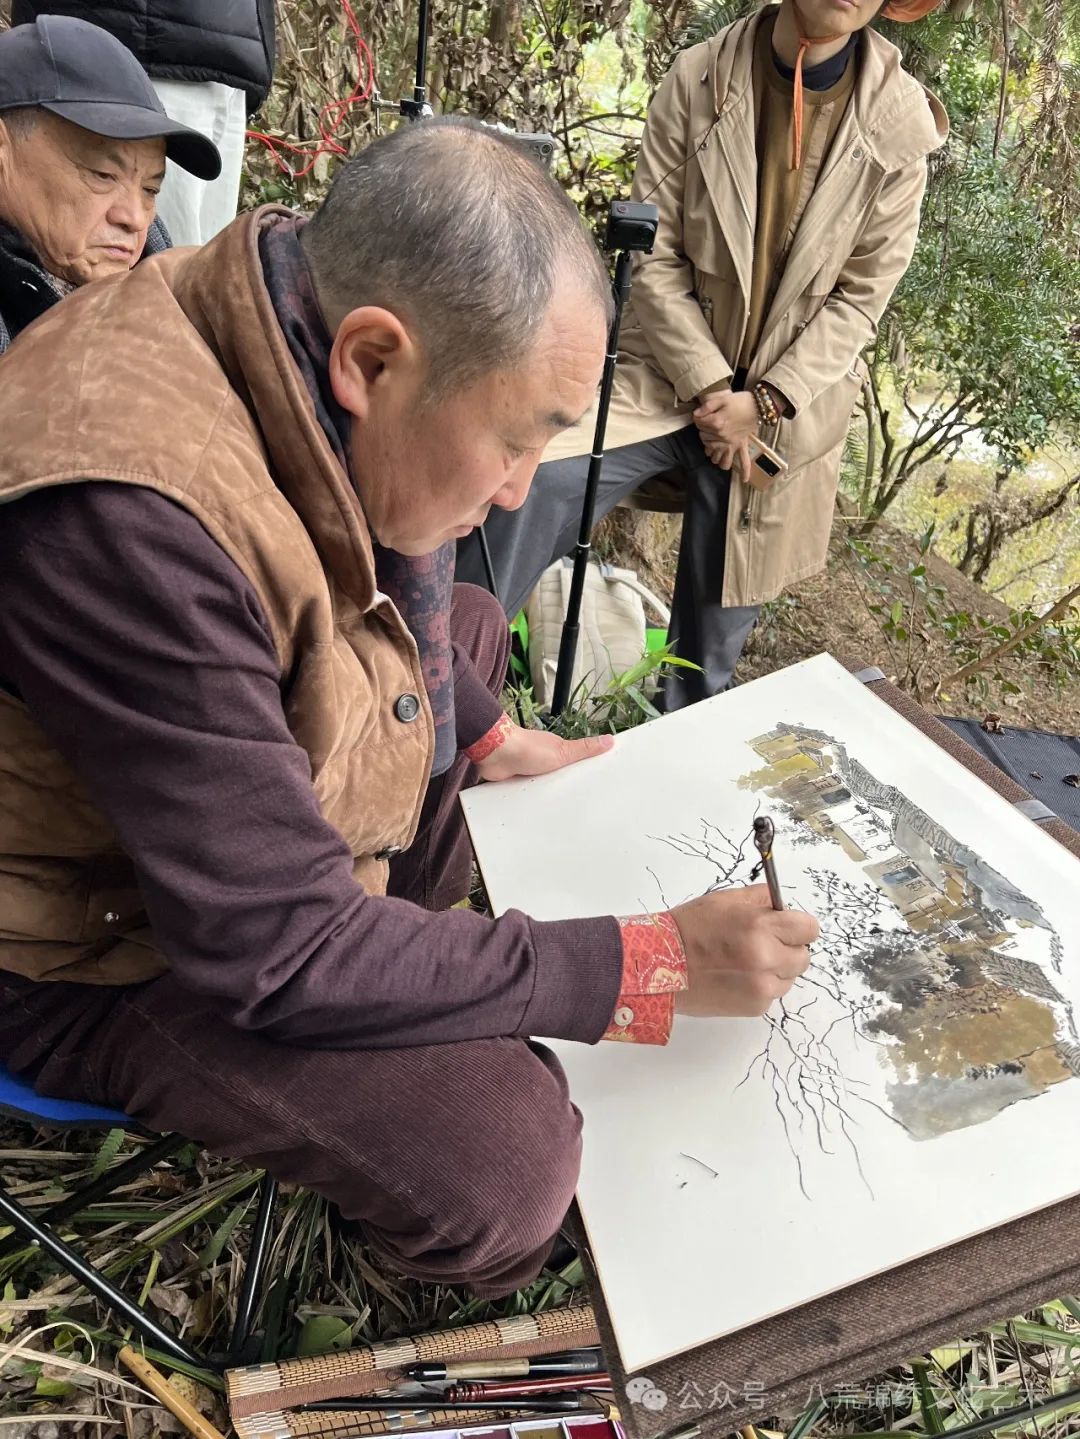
[(690, 299)]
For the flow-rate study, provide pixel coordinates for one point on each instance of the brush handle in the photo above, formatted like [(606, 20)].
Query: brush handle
[(389, 1403), (525, 1387), (573, 1361)]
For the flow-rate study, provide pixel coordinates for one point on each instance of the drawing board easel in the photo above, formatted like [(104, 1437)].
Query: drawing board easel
[(759, 1302)]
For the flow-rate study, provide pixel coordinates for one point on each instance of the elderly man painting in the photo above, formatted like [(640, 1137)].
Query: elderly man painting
[(83, 143), (239, 695)]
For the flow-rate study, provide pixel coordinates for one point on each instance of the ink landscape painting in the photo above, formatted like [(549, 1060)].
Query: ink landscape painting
[(920, 1084)]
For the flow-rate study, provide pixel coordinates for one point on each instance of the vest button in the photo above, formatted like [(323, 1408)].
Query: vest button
[(406, 708), (857, 153), (390, 852), (111, 917)]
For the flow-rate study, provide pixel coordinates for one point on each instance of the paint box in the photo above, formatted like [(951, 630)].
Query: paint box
[(574, 1426)]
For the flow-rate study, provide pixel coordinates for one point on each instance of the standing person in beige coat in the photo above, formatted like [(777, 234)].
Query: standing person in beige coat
[(787, 156)]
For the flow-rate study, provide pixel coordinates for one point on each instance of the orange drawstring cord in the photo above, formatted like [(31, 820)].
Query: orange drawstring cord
[(805, 43)]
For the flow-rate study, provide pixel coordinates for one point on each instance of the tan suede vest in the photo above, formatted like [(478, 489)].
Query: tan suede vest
[(177, 377)]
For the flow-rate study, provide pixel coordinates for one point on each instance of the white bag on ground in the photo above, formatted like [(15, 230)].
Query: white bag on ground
[(612, 634)]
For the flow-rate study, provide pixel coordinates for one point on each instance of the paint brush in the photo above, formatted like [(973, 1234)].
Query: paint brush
[(573, 1361), (478, 1389), (764, 835), (390, 1407)]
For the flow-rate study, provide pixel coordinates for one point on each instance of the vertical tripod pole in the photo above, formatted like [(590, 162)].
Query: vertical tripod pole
[(486, 560), (572, 624), (418, 108), (419, 88)]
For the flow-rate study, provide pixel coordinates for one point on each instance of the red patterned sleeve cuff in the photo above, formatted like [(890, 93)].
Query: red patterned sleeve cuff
[(488, 743), (654, 971)]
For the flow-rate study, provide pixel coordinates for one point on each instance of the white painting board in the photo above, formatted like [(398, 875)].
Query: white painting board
[(920, 1085)]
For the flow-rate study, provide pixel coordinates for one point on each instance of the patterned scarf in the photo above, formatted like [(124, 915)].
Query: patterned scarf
[(420, 586), (19, 263)]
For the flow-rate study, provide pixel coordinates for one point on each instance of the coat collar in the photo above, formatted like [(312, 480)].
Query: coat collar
[(221, 290), (20, 267), (891, 122), (896, 117)]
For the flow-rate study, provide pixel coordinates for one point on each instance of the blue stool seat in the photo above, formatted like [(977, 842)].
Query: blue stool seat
[(20, 1100)]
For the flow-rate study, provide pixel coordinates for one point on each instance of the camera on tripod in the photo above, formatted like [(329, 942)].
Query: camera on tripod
[(631, 225)]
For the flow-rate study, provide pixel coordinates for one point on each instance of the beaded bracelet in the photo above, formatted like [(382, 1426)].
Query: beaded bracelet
[(767, 409)]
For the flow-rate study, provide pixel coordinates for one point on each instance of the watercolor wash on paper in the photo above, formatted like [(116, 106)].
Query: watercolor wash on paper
[(922, 957), (967, 1025), (907, 1091)]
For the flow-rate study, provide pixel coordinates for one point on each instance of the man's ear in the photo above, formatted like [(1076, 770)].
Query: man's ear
[(372, 350), (8, 167)]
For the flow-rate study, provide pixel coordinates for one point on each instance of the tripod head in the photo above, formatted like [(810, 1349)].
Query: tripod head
[(631, 225)]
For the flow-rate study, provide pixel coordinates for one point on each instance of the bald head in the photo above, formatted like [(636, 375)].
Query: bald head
[(461, 233)]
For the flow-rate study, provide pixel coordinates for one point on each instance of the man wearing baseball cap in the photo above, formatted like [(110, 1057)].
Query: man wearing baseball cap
[(83, 144)]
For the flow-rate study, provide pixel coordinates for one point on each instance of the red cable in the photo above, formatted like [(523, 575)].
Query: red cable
[(332, 113)]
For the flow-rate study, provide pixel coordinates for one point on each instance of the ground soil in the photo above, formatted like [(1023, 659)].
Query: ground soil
[(831, 612)]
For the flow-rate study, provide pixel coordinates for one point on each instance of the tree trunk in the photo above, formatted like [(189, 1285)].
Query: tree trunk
[(503, 22), (971, 545), (992, 542)]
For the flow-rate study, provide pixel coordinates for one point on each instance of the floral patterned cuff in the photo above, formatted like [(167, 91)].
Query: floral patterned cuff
[(490, 742), (654, 971)]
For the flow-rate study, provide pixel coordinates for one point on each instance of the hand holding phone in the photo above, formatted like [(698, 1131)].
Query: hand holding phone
[(766, 466)]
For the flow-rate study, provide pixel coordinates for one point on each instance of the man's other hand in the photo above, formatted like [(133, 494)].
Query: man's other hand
[(741, 954), (724, 457), (534, 751), (727, 417)]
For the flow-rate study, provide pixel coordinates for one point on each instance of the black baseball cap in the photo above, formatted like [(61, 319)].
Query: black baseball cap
[(83, 74)]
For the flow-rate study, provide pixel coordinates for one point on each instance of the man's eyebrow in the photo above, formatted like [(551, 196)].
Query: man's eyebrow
[(559, 420), (125, 162), (114, 157), (109, 156)]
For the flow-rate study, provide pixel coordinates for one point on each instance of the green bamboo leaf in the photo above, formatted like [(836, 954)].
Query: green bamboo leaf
[(1025, 1425), (151, 1277), (322, 1334), (52, 1388), (986, 1399), (1028, 1332), (573, 1274), (108, 1150), (636, 673), (950, 1354), (806, 1420), (644, 705), (214, 1247), (927, 1402)]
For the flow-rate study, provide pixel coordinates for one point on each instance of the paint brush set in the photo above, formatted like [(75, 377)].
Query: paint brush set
[(506, 1379), (430, 1395)]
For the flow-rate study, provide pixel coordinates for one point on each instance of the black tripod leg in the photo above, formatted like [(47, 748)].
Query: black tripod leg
[(112, 1179), (485, 556), (569, 642), (253, 1272), (11, 1212)]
